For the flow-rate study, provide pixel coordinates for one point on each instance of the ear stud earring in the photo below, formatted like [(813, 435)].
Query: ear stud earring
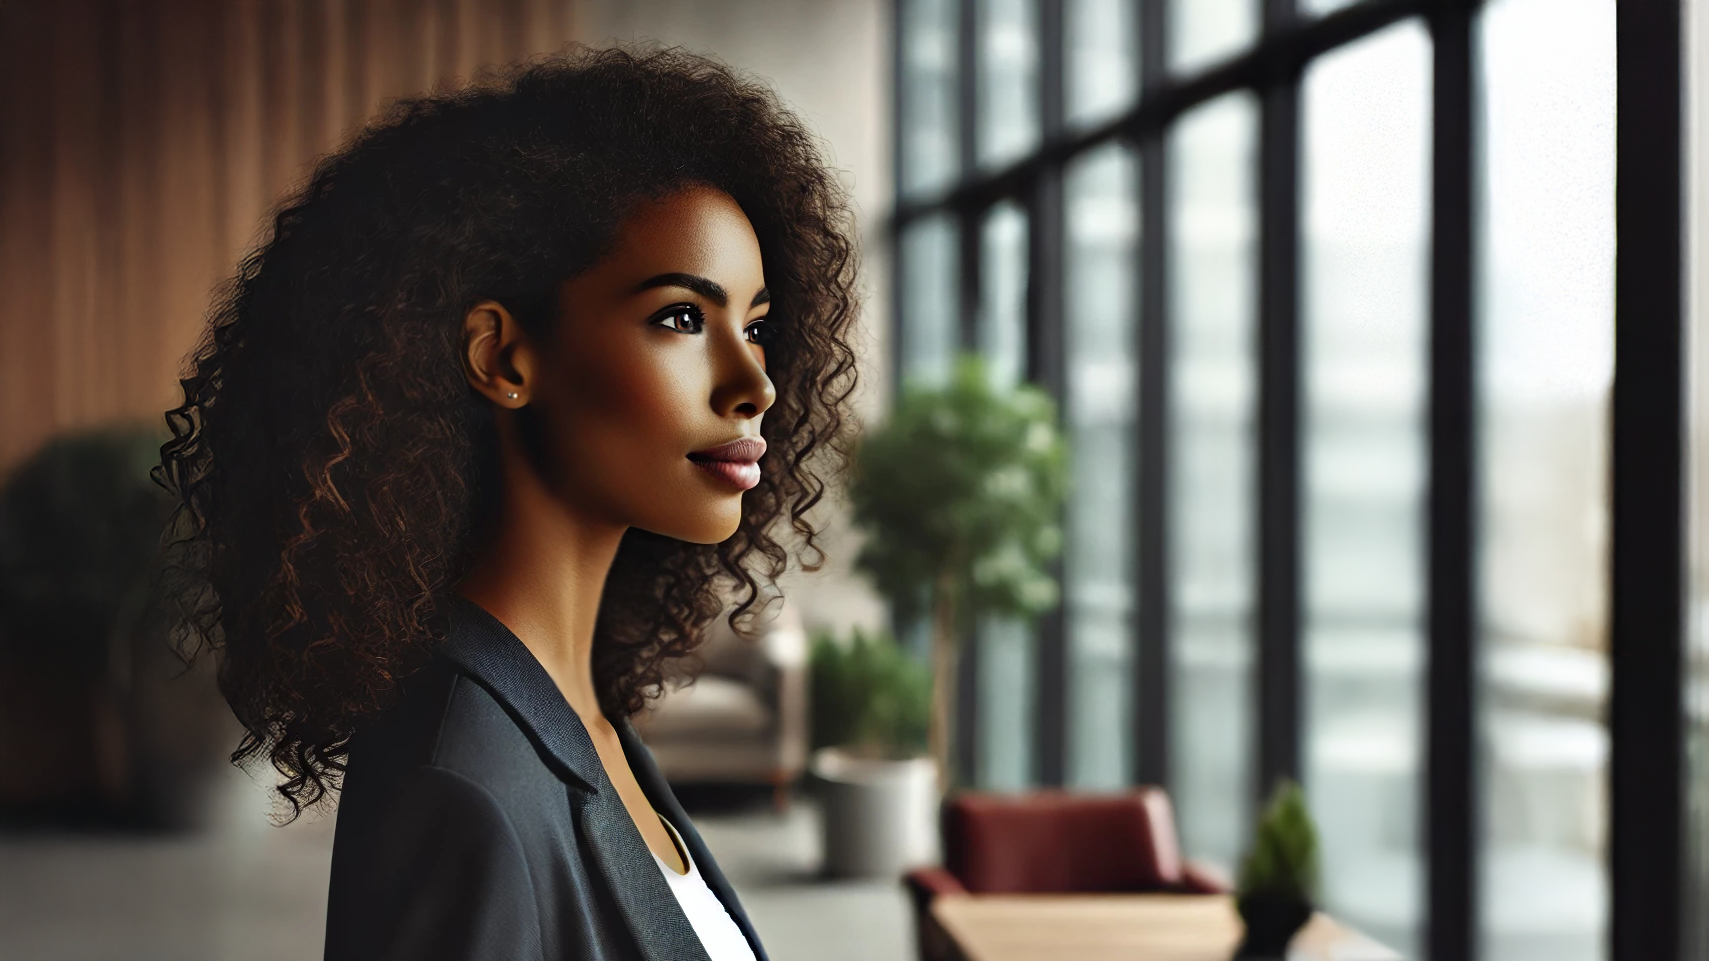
[(511, 395)]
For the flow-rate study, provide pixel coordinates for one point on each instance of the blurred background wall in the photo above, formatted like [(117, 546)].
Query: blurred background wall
[(142, 142)]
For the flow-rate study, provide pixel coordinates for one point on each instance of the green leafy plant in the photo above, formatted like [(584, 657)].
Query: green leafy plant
[(959, 495), (869, 697), (1283, 862), (84, 617), (80, 527)]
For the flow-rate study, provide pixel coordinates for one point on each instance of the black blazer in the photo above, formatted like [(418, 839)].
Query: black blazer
[(476, 821)]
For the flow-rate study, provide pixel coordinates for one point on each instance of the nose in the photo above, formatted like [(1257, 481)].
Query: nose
[(741, 387)]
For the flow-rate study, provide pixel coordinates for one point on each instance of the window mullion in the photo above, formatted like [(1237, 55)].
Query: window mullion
[(1451, 799), (1151, 533), (1278, 494), (1046, 366), (1647, 622)]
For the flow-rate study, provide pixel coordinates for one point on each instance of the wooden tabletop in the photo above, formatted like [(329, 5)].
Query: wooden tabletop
[(1125, 927)]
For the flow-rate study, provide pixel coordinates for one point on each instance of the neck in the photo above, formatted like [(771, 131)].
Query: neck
[(541, 571)]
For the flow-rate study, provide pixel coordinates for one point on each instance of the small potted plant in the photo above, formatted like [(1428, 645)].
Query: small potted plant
[(871, 705), (1279, 879)]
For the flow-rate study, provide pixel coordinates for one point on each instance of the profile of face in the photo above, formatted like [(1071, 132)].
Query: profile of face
[(647, 395)]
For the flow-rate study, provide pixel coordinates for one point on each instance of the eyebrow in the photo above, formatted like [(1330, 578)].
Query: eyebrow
[(700, 285)]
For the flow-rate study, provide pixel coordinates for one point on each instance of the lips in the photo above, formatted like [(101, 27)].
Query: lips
[(736, 462)]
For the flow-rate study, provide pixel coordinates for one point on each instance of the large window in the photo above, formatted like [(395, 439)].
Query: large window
[(1326, 291)]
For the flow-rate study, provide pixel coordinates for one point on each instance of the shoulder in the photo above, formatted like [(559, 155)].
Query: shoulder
[(446, 722), (436, 873)]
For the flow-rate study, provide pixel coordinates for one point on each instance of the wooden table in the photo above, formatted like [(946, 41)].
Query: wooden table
[(1125, 927)]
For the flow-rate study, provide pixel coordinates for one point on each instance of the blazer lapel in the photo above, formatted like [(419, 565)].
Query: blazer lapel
[(665, 802), (499, 661), (636, 883)]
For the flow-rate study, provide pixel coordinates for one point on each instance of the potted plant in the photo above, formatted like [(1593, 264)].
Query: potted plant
[(1278, 884), (100, 716), (871, 702), (959, 495)]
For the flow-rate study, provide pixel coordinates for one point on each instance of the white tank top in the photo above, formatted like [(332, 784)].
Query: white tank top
[(717, 931)]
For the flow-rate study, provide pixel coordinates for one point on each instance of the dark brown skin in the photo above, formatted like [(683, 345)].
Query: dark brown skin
[(626, 392)]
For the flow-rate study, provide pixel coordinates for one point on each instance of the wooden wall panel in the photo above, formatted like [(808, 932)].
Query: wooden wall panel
[(82, 368), (142, 143), (26, 164)]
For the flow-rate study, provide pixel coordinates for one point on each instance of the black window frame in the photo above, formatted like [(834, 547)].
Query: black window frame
[(1647, 497)]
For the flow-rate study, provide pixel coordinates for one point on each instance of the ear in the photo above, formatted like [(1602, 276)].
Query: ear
[(498, 357)]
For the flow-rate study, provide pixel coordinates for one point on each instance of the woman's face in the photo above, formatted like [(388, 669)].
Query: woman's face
[(658, 361)]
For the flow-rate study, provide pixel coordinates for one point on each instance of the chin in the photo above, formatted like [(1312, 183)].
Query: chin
[(725, 531), (712, 527)]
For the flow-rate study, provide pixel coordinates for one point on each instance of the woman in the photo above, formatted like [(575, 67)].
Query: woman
[(475, 444)]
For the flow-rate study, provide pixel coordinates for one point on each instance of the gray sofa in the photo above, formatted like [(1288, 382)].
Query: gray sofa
[(744, 719)]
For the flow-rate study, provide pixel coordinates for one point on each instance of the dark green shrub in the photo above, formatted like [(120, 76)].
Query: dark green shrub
[(80, 526), (869, 696)]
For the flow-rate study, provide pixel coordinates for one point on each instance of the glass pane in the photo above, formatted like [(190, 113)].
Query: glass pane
[(1102, 65), (1006, 657), (1366, 227), (1008, 80), (1006, 648), (930, 154), (1213, 264), (1546, 348), (1102, 241), (1205, 32), (1003, 293), (930, 306)]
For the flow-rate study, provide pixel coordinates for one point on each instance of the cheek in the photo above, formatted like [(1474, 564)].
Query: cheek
[(635, 405), (629, 416), (649, 394)]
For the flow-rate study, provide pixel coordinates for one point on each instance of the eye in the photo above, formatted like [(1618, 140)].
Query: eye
[(686, 318), (759, 332)]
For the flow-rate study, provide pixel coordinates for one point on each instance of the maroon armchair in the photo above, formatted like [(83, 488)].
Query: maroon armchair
[(1053, 842)]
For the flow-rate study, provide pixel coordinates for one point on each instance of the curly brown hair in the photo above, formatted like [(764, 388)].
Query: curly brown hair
[(332, 465)]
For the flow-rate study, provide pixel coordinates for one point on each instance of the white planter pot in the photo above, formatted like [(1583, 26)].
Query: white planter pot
[(880, 817)]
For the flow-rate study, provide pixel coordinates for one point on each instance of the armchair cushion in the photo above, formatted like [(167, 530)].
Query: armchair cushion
[(714, 706), (1057, 842)]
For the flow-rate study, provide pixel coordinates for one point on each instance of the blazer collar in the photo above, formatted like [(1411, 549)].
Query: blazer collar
[(490, 653), (487, 650)]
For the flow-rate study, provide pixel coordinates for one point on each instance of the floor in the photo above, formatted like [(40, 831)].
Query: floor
[(243, 890)]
